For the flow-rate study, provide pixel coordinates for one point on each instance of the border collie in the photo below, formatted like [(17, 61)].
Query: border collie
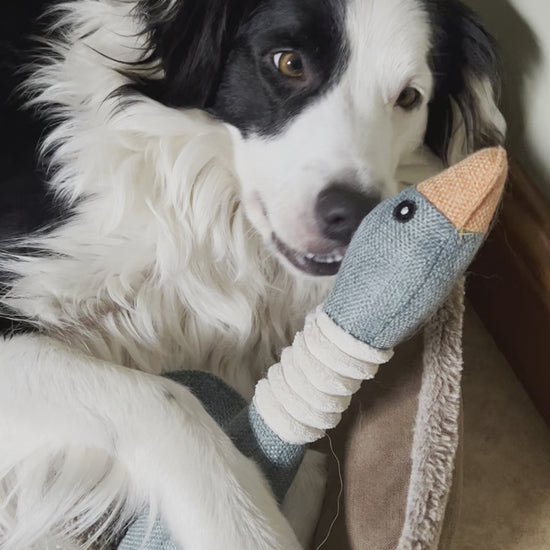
[(212, 159)]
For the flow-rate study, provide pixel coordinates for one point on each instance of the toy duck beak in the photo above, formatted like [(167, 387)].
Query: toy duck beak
[(468, 193)]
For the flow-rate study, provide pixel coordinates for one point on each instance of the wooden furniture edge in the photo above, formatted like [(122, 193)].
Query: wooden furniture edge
[(509, 285)]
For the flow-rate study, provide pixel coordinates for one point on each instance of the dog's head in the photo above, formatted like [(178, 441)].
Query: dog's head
[(325, 99)]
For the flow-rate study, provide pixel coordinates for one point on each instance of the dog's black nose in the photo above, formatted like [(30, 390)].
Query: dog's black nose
[(340, 209)]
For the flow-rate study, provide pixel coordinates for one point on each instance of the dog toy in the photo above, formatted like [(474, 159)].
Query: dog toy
[(400, 265)]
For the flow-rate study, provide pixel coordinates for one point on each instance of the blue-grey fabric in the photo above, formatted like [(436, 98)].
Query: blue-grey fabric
[(278, 460), (220, 401), (396, 273), (138, 537)]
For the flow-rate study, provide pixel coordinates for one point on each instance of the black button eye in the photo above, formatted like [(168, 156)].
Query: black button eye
[(404, 211)]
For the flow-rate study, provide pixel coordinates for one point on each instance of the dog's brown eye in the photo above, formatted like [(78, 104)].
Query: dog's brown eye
[(409, 98), (289, 63)]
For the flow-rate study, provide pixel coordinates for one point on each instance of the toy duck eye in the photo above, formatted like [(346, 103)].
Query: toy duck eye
[(404, 211)]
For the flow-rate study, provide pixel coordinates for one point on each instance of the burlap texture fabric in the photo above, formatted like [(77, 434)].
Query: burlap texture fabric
[(471, 189)]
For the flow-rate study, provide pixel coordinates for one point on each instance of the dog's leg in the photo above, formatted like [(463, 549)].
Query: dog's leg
[(208, 494)]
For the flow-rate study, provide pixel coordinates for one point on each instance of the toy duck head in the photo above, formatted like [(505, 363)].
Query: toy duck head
[(408, 252)]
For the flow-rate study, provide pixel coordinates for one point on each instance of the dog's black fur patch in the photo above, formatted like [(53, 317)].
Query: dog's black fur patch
[(25, 203), (462, 49), (217, 55), (253, 95)]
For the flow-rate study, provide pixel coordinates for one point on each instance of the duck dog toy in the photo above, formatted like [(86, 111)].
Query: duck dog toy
[(400, 265)]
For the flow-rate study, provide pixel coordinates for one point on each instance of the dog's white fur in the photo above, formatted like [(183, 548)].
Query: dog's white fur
[(166, 264), (354, 133)]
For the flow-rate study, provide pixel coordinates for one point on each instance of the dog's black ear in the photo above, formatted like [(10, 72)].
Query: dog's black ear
[(190, 40), (464, 114)]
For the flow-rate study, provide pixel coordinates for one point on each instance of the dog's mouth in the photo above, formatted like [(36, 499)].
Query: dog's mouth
[(312, 264)]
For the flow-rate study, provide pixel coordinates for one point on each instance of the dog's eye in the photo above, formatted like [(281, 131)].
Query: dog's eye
[(404, 211), (409, 98), (289, 63)]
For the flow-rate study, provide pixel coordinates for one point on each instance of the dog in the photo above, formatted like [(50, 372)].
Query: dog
[(208, 163)]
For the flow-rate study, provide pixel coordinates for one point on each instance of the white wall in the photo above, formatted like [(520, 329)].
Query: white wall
[(522, 29)]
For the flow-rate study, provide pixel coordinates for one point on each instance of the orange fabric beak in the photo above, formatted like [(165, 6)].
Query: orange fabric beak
[(468, 193)]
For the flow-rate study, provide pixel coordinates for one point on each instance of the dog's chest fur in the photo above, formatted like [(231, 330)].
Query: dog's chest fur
[(157, 297), (134, 280)]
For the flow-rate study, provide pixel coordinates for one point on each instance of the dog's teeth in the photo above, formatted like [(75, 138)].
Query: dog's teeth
[(323, 258)]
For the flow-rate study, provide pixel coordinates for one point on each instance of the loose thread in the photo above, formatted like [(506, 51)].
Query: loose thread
[(341, 480)]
